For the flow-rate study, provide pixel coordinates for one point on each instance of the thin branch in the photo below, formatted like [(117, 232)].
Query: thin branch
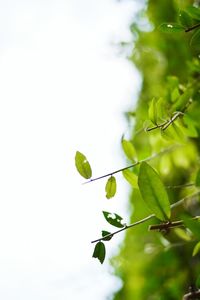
[(110, 235), (135, 164), (176, 115), (180, 186), (168, 225), (192, 28)]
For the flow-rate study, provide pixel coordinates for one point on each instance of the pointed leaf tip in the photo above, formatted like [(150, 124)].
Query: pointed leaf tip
[(82, 165)]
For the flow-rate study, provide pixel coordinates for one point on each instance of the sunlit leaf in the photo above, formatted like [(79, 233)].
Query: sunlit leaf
[(193, 11), (104, 233), (99, 252), (153, 111), (129, 149), (82, 165), (111, 187), (196, 249), (153, 192), (171, 27), (181, 102), (113, 219), (197, 181), (185, 19), (175, 94), (131, 178), (181, 233)]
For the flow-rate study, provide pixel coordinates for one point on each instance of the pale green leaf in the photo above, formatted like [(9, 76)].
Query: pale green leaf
[(82, 165), (153, 192), (131, 178), (196, 249), (128, 149), (111, 187), (153, 111)]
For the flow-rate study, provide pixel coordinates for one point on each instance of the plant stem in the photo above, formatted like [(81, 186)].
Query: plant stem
[(135, 164), (192, 28), (110, 235)]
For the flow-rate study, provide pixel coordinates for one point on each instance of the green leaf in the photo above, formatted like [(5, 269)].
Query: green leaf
[(198, 282), (113, 219), (99, 252), (182, 100), (193, 225), (193, 11), (82, 165), (196, 249), (197, 181), (153, 111), (104, 233), (153, 192), (195, 39), (171, 27), (185, 19), (131, 178), (111, 187), (128, 149), (175, 95)]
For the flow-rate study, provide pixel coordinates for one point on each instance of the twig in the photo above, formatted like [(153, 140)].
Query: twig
[(168, 225), (135, 164), (192, 28), (110, 235)]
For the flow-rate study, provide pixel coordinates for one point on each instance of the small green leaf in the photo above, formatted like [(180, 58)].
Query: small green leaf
[(195, 39), (185, 19), (183, 234), (82, 165), (113, 219), (196, 249), (111, 187), (99, 252), (131, 178), (153, 192), (193, 11), (129, 149), (171, 27), (193, 225), (197, 181), (104, 233), (181, 102), (175, 95), (153, 111)]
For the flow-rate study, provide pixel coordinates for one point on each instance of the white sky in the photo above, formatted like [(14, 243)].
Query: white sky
[(62, 89)]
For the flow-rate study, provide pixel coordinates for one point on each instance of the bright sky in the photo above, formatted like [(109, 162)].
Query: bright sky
[(63, 88)]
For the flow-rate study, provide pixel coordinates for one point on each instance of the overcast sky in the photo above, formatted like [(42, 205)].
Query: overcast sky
[(63, 88)]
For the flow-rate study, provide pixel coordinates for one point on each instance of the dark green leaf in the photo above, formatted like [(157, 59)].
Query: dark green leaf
[(111, 187), (197, 181), (99, 252), (131, 178), (198, 282), (129, 149), (113, 219), (185, 19), (153, 192), (195, 40), (104, 233), (194, 12), (82, 165), (171, 27)]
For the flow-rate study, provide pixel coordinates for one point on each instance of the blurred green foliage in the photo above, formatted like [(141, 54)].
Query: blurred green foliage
[(159, 265)]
